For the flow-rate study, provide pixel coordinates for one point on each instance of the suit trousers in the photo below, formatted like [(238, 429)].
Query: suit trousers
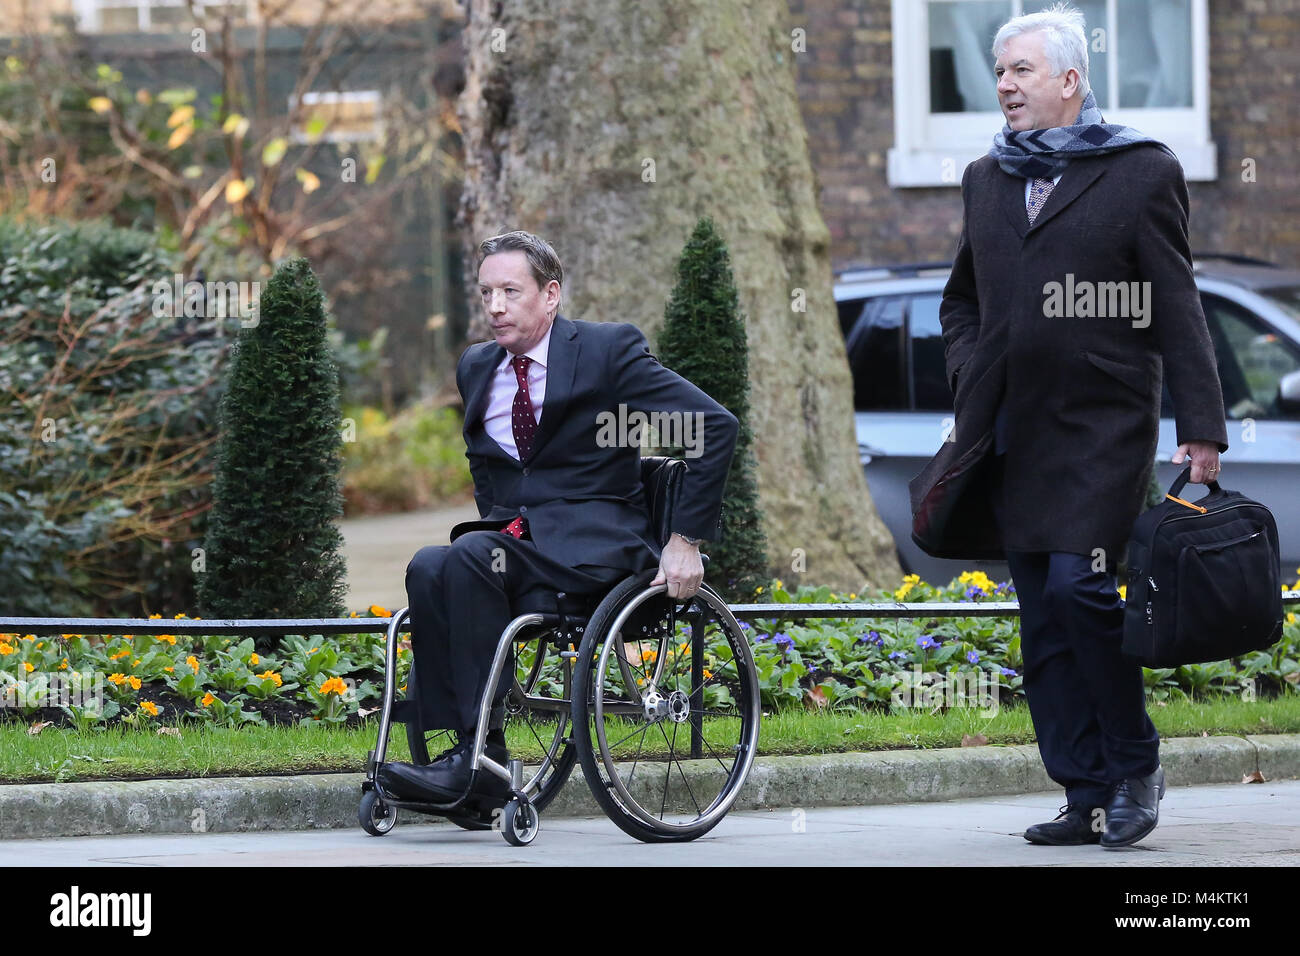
[(461, 597), (1086, 699)]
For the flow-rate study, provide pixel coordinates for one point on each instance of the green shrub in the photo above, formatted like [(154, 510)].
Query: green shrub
[(413, 460), (107, 417), (273, 548), (703, 339)]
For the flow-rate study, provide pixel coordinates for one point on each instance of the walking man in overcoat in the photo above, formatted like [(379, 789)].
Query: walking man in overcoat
[(1071, 291)]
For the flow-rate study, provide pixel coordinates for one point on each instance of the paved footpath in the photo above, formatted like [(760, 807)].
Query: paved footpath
[(1225, 825), (379, 547)]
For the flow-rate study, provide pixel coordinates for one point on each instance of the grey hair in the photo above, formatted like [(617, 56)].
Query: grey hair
[(542, 259), (1064, 42)]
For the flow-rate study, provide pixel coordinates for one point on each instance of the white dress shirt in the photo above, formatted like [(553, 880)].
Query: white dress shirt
[(497, 418)]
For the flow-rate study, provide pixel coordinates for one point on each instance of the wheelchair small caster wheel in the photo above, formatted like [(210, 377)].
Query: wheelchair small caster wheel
[(520, 823), (375, 816)]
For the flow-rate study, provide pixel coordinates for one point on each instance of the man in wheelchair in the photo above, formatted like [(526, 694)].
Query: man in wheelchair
[(557, 480)]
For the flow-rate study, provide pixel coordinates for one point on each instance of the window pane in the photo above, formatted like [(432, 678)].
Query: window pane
[(1252, 360), (929, 371), (875, 347), (1288, 298), (1154, 38), (1094, 15), (961, 57)]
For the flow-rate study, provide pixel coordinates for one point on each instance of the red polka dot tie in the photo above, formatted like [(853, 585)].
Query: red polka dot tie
[(525, 428)]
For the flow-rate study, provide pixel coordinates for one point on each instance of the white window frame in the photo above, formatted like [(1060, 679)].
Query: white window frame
[(933, 149), (299, 136), (89, 19)]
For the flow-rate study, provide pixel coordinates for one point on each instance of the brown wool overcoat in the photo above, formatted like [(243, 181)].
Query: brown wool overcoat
[(1082, 393)]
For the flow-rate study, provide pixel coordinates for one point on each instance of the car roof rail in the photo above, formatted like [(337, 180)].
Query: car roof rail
[(1234, 259), (902, 270)]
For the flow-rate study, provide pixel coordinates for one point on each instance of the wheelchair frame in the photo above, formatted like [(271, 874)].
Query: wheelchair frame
[(600, 662)]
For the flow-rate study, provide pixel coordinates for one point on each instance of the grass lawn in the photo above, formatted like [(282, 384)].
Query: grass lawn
[(201, 751)]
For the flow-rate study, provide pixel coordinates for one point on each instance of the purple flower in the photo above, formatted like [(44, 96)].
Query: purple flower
[(973, 593), (872, 637), (744, 625), (973, 657), (895, 655), (1008, 672), (783, 641), (926, 641)]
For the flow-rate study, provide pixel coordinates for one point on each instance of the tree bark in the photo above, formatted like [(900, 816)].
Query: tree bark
[(609, 129)]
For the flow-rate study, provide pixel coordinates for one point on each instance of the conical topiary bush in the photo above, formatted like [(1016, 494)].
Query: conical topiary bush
[(703, 339), (272, 546)]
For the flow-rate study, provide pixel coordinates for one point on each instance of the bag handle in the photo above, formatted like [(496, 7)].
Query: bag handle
[(1181, 481)]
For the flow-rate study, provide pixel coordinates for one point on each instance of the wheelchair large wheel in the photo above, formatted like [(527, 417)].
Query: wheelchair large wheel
[(538, 702), (665, 742)]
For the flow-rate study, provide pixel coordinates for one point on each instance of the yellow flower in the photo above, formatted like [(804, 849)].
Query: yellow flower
[(64, 666), (758, 590), (648, 655), (154, 617), (150, 708), (5, 650), (779, 583), (353, 614), (168, 639), (853, 597), (334, 685), (252, 660), (169, 669), (708, 674), (120, 654), (136, 662), (118, 679), (179, 617), (273, 676), (378, 610), (135, 682), (193, 662), (1290, 618), (313, 650), (39, 645), (28, 667), (207, 699)]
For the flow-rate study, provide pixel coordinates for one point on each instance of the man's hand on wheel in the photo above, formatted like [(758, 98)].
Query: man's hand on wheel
[(680, 568), (1203, 456)]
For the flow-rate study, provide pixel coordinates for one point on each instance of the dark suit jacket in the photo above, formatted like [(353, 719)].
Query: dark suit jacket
[(584, 503), (1082, 395)]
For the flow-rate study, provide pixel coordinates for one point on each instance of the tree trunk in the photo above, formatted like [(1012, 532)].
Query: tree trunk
[(609, 129)]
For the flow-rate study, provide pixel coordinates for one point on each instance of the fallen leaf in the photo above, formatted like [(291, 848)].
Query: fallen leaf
[(979, 740), (37, 727), (169, 731), (1293, 677), (1205, 733), (1253, 777), (367, 711)]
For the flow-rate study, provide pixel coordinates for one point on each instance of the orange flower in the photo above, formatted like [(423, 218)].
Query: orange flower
[(169, 669), (252, 660), (207, 699), (334, 685), (378, 610), (64, 665), (708, 674), (150, 708), (193, 662), (135, 682), (118, 679), (273, 676), (28, 667), (5, 650), (167, 639), (154, 617), (125, 652)]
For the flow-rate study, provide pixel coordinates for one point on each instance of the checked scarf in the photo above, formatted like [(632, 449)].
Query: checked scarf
[(1044, 153)]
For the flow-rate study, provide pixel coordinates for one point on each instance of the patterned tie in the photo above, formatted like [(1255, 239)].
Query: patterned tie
[(525, 428), (1039, 190)]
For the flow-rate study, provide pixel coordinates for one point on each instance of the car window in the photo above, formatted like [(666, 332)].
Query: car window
[(875, 346), (1252, 360), (1288, 297), (930, 391)]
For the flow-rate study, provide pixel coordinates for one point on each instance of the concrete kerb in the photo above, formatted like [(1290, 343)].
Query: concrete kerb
[(325, 801)]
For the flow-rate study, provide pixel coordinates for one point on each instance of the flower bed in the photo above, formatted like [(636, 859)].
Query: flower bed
[(934, 663)]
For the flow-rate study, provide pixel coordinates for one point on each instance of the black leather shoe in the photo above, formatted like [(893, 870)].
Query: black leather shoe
[(446, 780), (1074, 827), (1134, 809)]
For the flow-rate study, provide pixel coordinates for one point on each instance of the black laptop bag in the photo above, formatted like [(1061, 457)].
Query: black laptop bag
[(1204, 579)]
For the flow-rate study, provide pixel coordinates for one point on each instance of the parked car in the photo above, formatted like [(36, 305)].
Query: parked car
[(903, 407)]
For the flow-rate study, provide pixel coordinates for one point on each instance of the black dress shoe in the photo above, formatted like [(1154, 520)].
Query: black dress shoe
[(447, 779), (1134, 809), (1074, 827)]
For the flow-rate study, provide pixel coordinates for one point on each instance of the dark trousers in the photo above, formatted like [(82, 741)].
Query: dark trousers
[(1086, 699), (461, 600)]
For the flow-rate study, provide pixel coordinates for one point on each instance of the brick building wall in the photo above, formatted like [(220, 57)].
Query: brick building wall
[(845, 83)]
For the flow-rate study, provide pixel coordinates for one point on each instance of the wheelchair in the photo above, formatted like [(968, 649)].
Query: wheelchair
[(657, 699)]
